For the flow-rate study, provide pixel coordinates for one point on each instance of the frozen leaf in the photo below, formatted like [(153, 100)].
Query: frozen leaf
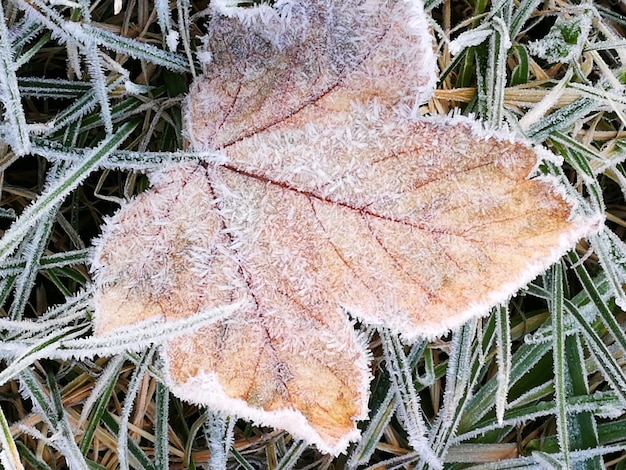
[(334, 197), (291, 352)]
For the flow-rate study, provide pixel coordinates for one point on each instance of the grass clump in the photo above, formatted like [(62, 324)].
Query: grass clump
[(91, 94)]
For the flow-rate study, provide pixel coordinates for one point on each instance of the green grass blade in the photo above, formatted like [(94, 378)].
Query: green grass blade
[(130, 47), (39, 87), (40, 350), (53, 261), (140, 459), (408, 402), (561, 119), (161, 428), (49, 403), (102, 392), (458, 391), (292, 455), (491, 73), (9, 455), (594, 294), (131, 393), (561, 372), (611, 252), (373, 431), (503, 352), (55, 194), (32, 249), (17, 133), (241, 460)]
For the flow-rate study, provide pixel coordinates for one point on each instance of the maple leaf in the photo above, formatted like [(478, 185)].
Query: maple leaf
[(334, 197)]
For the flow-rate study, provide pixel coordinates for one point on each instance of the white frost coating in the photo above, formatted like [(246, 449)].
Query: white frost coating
[(468, 39), (584, 225), (206, 389), (133, 88), (558, 45), (298, 175), (172, 40), (420, 27), (9, 461), (588, 226), (65, 3), (247, 16), (539, 110), (503, 133), (205, 57), (74, 29), (138, 336), (111, 370)]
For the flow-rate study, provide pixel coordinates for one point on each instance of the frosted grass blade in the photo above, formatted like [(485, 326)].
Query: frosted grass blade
[(140, 336), (523, 360), (540, 392), (291, 457), (124, 159), (555, 280), (99, 85), (241, 460), (131, 394), (499, 44), (53, 412), (373, 431), (39, 87), (16, 131), (40, 350), (583, 432), (503, 354), (32, 250), (140, 459), (47, 262), (76, 33), (165, 21), (611, 252), (99, 401), (24, 30), (561, 119), (9, 456), (123, 45), (409, 410), (600, 352), (81, 107), (593, 293), (219, 431), (161, 428), (521, 15), (53, 195), (32, 51), (184, 28), (584, 156), (549, 461), (581, 162), (540, 109), (458, 391)]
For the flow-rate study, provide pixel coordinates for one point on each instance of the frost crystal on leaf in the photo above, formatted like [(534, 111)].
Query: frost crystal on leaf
[(334, 197), (565, 40)]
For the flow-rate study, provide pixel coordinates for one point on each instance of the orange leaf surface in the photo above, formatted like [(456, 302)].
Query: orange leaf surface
[(334, 197)]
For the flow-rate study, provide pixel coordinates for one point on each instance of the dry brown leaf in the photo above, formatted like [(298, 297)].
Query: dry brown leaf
[(334, 197)]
